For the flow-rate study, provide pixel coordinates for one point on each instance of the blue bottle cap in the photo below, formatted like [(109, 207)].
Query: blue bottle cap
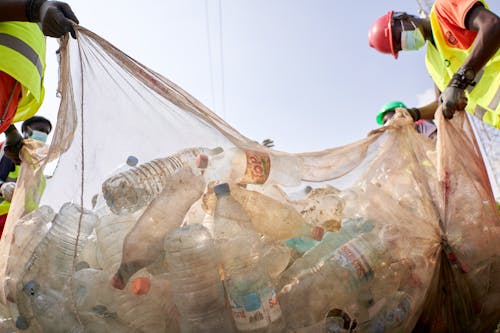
[(22, 323), (222, 189)]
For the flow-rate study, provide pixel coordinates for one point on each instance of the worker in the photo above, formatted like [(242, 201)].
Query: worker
[(37, 128), (463, 58), (22, 58), (423, 126)]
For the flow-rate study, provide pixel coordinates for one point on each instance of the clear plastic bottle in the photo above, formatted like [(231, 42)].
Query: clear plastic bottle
[(197, 288), (51, 266), (28, 233), (343, 276), (165, 213), (273, 218), (395, 314), (252, 167), (128, 191), (250, 291)]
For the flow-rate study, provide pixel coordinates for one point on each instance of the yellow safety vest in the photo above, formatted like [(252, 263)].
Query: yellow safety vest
[(11, 177), (22, 56), (443, 61)]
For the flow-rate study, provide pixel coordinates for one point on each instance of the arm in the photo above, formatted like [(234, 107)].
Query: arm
[(487, 41), (13, 10)]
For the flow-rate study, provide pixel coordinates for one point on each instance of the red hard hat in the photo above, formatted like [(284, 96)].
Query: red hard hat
[(380, 35)]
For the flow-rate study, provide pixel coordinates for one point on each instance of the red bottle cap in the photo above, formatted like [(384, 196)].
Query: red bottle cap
[(202, 161), (141, 286), (317, 233)]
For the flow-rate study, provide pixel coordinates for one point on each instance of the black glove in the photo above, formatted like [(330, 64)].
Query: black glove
[(414, 113), (453, 97), (13, 144), (55, 17)]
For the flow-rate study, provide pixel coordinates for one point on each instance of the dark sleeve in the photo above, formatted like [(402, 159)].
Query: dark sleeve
[(6, 166)]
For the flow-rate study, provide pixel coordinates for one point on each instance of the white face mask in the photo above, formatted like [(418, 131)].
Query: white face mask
[(40, 136), (411, 40)]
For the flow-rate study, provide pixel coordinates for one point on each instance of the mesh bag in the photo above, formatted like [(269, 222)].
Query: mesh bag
[(409, 226)]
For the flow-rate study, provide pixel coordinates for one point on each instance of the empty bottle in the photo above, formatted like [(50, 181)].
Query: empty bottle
[(252, 167), (28, 233), (340, 275), (273, 218), (143, 245), (128, 191), (51, 265), (197, 288), (251, 294), (395, 314)]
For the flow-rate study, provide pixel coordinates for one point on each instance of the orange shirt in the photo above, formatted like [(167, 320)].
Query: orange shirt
[(9, 98), (451, 16)]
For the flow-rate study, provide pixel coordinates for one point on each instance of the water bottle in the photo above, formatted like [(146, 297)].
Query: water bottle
[(343, 276), (251, 294), (197, 288), (165, 213), (252, 167), (393, 315), (128, 191), (28, 233), (51, 265)]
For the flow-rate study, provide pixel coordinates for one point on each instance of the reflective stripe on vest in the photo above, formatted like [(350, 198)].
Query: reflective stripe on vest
[(22, 56), (11, 177), (23, 48), (443, 61)]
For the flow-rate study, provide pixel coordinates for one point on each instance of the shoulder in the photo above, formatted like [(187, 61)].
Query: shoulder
[(454, 11)]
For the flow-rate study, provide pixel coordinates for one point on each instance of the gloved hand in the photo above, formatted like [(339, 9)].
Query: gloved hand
[(13, 144), (453, 99), (7, 190), (55, 17)]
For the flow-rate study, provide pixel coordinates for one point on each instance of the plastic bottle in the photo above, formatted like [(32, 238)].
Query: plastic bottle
[(252, 167), (197, 288), (251, 294), (51, 266), (28, 233), (332, 240), (165, 213), (273, 218), (128, 191), (393, 315), (341, 277)]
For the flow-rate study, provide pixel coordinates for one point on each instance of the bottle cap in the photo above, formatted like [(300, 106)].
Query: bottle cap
[(222, 189), (22, 323), (141, 286), (132, 160), (317, 233), (202, 161)]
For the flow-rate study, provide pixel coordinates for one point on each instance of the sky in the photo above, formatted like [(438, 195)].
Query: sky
[(297, 71)]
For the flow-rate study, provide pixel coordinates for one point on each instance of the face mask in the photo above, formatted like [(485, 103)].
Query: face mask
[(411, 40), (40, 136)]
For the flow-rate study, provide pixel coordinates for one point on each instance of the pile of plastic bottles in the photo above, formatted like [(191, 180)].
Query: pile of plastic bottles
[(204, 241)]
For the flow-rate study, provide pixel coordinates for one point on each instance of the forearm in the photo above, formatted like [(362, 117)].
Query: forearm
[(487, 41), (13, 10), (428, 111)]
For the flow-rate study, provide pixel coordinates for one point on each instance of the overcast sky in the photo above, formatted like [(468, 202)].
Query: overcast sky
[(297, 71)]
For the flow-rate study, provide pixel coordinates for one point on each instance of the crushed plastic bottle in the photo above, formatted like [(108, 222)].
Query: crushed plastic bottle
[(129, 191), (252, 167), (144, 243), (340, 275), (197, 288), (250, 291)]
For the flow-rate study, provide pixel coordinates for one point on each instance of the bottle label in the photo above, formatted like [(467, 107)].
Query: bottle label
[(356, 259), (248, 313), (258, 167), (273, 306)]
